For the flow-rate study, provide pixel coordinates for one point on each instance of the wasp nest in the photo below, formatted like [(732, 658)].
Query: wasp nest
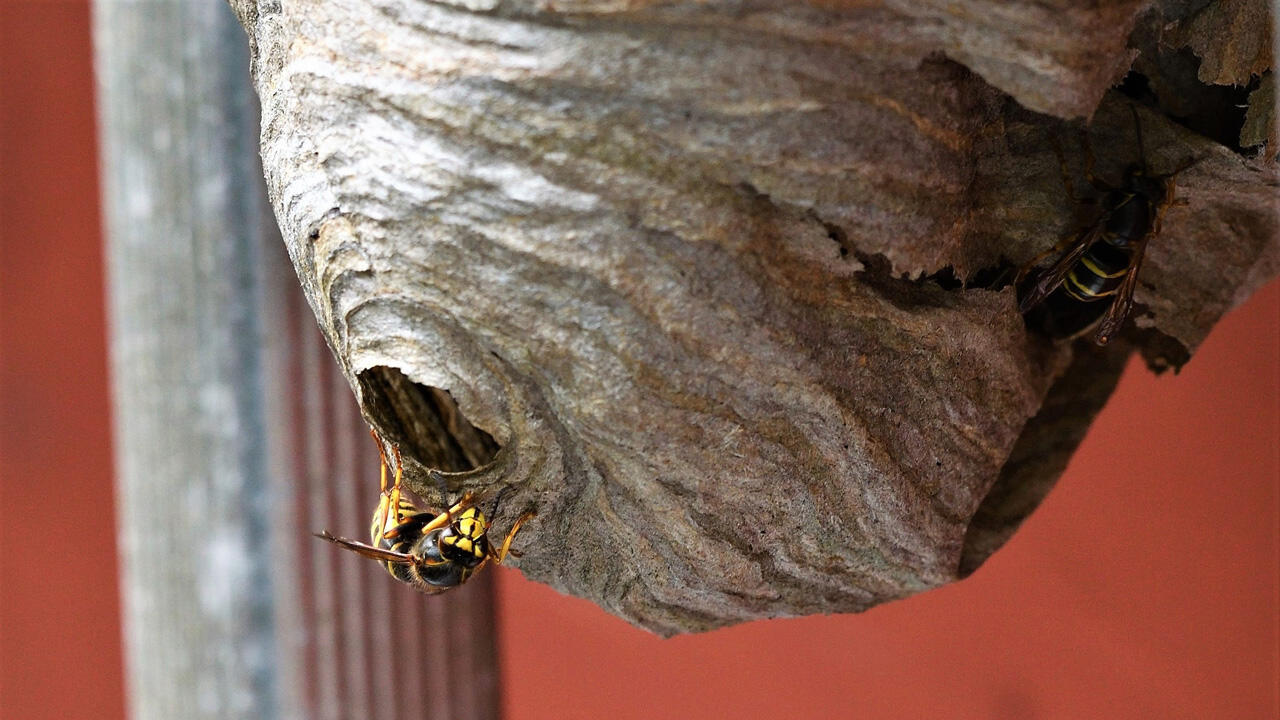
[(722, 290)]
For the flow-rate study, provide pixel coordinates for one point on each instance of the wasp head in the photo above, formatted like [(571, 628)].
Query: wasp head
[(464, 542)]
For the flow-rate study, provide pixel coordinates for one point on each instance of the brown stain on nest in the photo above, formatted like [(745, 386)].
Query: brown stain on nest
[(955, 141)]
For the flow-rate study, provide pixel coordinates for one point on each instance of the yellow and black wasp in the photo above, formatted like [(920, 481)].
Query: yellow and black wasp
[(431, 551), (1101, 262)]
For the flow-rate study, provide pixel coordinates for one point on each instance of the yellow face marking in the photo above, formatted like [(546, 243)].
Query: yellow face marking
[(472, 524)]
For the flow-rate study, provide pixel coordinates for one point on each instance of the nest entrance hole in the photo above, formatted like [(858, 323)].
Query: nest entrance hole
[(424, 421)]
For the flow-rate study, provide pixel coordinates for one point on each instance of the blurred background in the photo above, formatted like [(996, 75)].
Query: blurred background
[(1145, 586)]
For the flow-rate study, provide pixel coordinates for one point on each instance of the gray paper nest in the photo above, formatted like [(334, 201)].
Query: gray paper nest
[(697, 280)]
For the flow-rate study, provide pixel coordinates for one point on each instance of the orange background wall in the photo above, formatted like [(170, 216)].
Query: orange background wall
[(1145, 586), (60, 651)]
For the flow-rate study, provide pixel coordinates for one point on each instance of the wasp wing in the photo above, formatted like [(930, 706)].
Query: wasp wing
[(1115, 316), (1050, 279), (384, 555)]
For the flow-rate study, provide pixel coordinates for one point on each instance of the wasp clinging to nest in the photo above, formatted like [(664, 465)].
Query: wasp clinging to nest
[(1101, 262), (431, 551)]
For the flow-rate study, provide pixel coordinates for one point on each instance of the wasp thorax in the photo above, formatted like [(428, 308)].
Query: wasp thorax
[(1138, 181)]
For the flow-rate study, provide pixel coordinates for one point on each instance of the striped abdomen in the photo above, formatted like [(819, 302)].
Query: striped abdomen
[(1100, 271)]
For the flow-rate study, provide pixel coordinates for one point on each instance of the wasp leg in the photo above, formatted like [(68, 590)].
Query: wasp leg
[(398, 504), (394, 510), (446, 517), (383, 513), (1169, 202), (506, 544), (501, 554)]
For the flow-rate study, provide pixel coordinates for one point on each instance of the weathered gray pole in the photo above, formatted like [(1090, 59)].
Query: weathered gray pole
[(184, 214), (236, 436)]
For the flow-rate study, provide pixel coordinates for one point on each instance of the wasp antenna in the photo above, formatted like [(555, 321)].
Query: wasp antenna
[(443, 485), (497, 502), (395, 453), (377, 440)]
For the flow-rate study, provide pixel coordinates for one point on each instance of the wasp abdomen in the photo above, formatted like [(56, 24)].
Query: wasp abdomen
[(1100, 271)]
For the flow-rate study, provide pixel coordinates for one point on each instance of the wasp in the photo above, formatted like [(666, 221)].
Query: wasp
[(1101, 262), (431, 551)]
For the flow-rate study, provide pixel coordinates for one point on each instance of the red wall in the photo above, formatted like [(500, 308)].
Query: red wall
[(1146, 586), (60, 651)]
